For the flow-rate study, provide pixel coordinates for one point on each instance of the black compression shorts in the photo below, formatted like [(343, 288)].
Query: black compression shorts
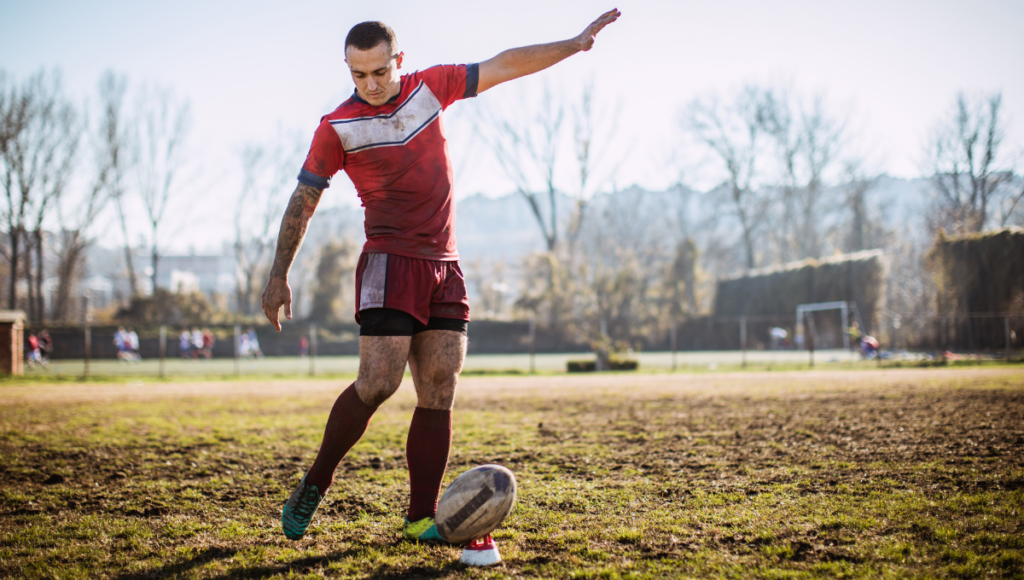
[(391, 322)]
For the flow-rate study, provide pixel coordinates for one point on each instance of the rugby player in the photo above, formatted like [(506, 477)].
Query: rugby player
[(411, 302)]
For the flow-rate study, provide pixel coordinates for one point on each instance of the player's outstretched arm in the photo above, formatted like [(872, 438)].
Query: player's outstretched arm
[(519, 62), (293, 229)]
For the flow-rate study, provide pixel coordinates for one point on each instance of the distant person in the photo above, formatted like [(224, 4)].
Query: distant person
[(303, 347), (243, 346), (254, 344), (778, 336), (33, 356), (869, 347), (197, 342), (122, 345), (185, 343), (855, 335), (132, 339), (45, 346), (208, 340)]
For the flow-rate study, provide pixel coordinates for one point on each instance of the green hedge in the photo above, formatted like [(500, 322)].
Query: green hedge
[(589, 366), (859, 277), (976, 274), (980, 273)]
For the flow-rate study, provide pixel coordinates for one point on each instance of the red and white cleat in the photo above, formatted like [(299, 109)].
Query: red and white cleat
[(481, 552)]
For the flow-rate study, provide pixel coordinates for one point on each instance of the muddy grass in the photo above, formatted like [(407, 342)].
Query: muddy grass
[(898, 473)]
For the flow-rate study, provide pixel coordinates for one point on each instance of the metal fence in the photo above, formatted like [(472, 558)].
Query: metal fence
[(700, 342)]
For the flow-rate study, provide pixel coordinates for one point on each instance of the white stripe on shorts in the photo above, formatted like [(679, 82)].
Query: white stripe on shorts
[(374, 282)]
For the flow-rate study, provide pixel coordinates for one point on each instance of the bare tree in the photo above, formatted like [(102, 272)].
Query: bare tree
[(528, 152), (964, 153), (620, 259), (809, 142), (116, 138), (40, 139), (15, 116), (594, 133), (864, 228), (556, 151), (53, 181), (735, 132), (252, 161), (76, 216), (158, 141), (1010, 205), (266, 172), (856, 190), (688, 232), (1010, 202)]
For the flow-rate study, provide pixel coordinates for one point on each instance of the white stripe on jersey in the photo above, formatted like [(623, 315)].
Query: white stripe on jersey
[(398, 128)]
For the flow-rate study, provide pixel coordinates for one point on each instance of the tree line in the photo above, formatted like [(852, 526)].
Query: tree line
[(64, 162), (118, 160), (794, 182)]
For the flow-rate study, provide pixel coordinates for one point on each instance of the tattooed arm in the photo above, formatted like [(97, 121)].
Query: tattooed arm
[(519, 62), (293, 229)]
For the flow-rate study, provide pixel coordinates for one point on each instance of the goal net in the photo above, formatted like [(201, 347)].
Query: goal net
[(805, 323)]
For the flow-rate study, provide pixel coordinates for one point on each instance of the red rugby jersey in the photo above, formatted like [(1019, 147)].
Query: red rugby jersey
[(397, 157)]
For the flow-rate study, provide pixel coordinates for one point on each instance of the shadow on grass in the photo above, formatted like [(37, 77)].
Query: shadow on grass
[(416, 572), (299, 565), (310, 563), (178, 569)]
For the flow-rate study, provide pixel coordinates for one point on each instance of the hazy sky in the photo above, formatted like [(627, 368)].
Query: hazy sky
[(252, 68)]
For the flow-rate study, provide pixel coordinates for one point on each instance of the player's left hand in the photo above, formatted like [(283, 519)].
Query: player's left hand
[(586, 38)]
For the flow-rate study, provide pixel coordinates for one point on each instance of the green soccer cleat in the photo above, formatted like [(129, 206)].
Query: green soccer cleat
[(422, 531), (299, 509)]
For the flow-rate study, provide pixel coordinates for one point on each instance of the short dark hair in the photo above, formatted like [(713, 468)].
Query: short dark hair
[(367, 35)]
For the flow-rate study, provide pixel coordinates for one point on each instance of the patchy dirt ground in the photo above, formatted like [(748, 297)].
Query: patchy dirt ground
[(868, 473)]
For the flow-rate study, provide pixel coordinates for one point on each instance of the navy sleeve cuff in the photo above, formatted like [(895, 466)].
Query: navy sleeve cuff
[(472, 80), (314, 180)]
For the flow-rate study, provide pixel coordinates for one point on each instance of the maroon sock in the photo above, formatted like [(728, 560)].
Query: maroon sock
[(347, 423), (430, 439)]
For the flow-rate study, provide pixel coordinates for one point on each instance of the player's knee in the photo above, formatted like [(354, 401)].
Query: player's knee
[(438, 399), (375, 390), (375, 395), (376, 398)]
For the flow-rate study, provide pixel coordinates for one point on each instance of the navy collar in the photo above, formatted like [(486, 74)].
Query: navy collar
[(358, 99)]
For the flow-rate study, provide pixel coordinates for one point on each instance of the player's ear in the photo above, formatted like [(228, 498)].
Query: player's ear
[(398, 59)]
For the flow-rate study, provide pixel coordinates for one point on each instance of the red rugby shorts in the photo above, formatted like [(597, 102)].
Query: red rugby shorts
[(423, 288)]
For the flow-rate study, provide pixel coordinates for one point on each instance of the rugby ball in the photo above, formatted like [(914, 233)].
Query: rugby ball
[(475, 503)]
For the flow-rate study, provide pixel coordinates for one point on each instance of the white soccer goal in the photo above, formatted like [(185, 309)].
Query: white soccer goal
[(844, 309)]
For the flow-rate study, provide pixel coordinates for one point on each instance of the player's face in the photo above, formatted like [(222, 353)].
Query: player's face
[(375, 72)]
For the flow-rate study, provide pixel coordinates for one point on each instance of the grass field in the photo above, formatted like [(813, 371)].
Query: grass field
[(827, 473)]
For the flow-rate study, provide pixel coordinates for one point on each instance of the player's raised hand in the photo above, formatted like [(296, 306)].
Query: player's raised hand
[(277, 294), (586, 38)]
